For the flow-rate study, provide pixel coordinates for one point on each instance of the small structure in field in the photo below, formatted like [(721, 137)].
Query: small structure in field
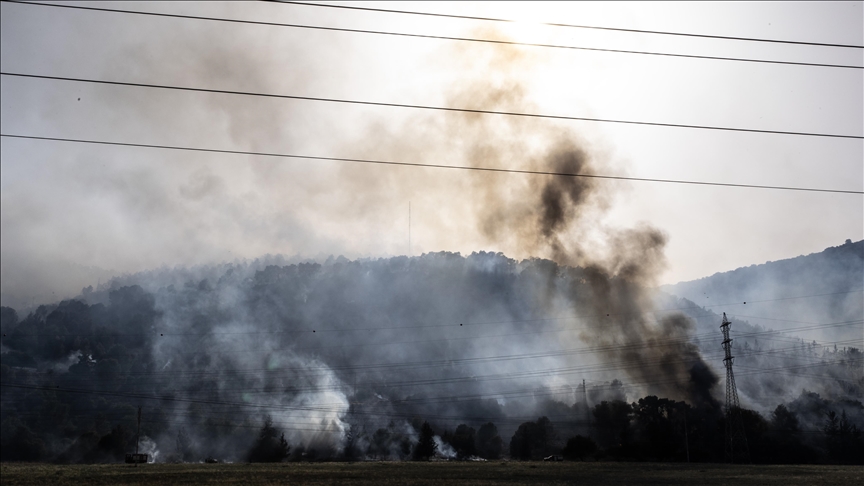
[(135, 458)]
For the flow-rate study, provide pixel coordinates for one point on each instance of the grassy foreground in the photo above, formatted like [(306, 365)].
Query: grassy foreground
[(463, 473)]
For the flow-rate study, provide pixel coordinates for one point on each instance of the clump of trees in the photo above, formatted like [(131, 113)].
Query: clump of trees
[(463, 441), (660, 429), (469, 443), (843, 439), (392, 442), (270, 446)]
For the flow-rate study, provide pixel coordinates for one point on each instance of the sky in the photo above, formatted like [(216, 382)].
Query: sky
[(73, 215)]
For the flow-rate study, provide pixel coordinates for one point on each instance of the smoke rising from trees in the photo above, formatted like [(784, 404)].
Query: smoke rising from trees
[(372, 358)]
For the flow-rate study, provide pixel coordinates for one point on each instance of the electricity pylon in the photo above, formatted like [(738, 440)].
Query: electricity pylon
[(736, 441)]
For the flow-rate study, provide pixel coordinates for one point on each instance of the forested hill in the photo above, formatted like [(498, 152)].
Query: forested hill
[(822, 288), (378, 359)]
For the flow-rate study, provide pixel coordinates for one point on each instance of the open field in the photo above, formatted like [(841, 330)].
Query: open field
[(463, 473)]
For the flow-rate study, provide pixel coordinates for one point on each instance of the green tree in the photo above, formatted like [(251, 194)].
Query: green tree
[(463, 440), (533, 440), (489, 443), (612, 422), (426, 446), (659, 427), (784, 436), (843, 439)]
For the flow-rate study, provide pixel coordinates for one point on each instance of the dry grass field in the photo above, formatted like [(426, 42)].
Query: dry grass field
[(462, 473)]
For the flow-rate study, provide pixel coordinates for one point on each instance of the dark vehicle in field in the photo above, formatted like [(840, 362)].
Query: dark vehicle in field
[(135, 458)]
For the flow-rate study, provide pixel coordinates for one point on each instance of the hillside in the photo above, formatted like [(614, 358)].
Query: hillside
[(349, 358), (822, 288)]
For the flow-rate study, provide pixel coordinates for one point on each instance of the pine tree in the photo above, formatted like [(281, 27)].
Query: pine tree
[(426, 446), (268, 448)]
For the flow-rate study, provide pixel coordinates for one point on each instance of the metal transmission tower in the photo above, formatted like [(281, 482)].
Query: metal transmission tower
[(736, 441)]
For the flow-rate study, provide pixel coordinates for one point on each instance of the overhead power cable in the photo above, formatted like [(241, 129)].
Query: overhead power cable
[(298, 408), (338, 408), (428, 107), (436, 37), (468, 323), (226, 379), (589, 369), (229, 375), (172, 394), (537, 321), (431, 166), (574, 26)]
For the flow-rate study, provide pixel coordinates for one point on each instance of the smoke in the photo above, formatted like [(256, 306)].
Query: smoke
[(443, 449), (563, 218), (247, 361), (147, 446), (300, 324), (344, 354)]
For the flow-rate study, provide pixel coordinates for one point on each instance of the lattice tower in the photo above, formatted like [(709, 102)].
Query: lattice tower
[(736, 441)]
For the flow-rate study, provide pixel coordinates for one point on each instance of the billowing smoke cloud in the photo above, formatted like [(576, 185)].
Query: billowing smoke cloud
[(347, 355), (557, 217), (601, 274)]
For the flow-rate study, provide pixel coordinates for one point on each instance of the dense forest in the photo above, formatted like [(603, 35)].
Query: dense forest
[(439, 356)]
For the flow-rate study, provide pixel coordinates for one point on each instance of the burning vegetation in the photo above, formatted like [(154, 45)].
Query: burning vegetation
[(439, 356), (563, 353)]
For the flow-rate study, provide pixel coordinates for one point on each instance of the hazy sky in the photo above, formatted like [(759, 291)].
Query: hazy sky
[(74, 213)]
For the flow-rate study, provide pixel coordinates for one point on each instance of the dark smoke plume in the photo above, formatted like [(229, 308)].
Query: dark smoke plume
[(562, 218)]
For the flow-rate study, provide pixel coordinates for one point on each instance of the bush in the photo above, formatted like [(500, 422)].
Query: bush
[(578, 447)]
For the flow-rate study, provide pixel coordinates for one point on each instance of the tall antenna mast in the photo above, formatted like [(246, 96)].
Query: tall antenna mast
[(585, 403), (736, 441), (138, 438), (584, 395), (409, 228)]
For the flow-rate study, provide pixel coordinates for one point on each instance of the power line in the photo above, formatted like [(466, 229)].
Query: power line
[(531, 333), (439, 37), (780, 352), (575, 26), (237, 374), (437, 108), (219, 420), (474, 337), (551, 391), (591, 368), (169, 395), (812, 326), (584, 368), (430, 166), (324, 409), (466, 323), (234, 375), (330, 407), (783, 298)]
